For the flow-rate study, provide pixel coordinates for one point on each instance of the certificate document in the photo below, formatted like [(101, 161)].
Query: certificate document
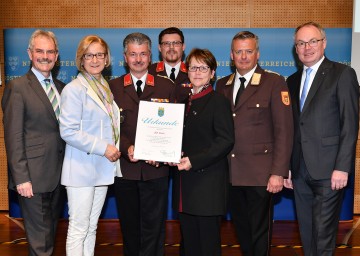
[(159, 131)]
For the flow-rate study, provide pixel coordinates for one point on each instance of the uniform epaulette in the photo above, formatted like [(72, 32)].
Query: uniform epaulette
[(269, 71), (231, 79)]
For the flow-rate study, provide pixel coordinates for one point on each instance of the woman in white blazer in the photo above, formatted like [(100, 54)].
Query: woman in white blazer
[(89, 124)]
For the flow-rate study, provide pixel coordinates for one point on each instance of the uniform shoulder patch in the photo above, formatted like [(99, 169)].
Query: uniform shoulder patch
[(285, 98)]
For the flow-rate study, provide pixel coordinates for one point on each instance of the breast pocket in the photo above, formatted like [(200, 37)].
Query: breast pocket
[(259, 109)]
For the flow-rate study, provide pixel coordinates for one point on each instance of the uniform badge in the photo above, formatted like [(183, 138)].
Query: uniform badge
[(256, 79), (159, 100), (161, 111), (285, 98)]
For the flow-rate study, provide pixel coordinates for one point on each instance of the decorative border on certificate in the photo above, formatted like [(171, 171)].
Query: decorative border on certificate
[(159, 131)]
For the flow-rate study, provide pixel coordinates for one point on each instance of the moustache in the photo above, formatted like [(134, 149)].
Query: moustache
[(44, 61)]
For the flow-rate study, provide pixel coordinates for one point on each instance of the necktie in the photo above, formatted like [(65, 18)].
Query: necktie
[(50, 92), (305, 88), (241, 89), (138, 88), (172, 75)]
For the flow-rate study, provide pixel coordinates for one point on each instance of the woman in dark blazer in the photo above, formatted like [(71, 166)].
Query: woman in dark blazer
[(201, 184)]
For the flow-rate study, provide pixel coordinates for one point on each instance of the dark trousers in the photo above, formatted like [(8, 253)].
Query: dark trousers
[(252, 214), (41, 214), (142, 208), (201, 235), (318, 210)]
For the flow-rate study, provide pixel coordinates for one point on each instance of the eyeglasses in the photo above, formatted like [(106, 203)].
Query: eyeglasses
[(169, 44), (312, 43), (90, 56), (48, 52), (202, 69)]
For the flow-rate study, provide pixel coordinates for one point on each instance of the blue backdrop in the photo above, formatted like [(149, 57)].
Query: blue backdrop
[(276, 54)]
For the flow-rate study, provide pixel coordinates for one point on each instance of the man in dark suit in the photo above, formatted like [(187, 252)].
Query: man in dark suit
[(263, 140), (172, 47), (141, 193), (34, 147), (325, 98)]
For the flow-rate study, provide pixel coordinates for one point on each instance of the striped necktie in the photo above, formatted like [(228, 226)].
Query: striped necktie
[(50, 92)]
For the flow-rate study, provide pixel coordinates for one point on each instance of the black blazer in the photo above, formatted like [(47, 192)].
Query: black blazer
[(208, 138), (34, 148), (326, 131)]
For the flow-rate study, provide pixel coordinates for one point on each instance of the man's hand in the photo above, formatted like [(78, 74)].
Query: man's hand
[(275, 184), (153, 163), (184, 164), (339, 180), (288, 182), (131, 154), (25, 189)]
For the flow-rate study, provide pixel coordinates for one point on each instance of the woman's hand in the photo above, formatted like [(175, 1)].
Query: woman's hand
[(112, 153), (184, 164)]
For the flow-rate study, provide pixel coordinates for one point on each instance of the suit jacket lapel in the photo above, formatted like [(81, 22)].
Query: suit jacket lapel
[(148, 91), (58, 86), (39, 91), (130, 90), (296, 95), (317, 82)]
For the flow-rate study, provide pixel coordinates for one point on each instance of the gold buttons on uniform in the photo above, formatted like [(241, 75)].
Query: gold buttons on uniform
[(232, 155), (257, 105), (234, 114)]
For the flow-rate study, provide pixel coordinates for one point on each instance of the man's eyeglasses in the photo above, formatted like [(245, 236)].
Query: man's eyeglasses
[(202, 69), (312, 43), (90, 56), (169, 44)]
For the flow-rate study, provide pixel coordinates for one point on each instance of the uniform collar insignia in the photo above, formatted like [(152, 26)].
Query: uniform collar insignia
[(255, 80), (160, 66), (231, 79), (150, 80), (183, 67), (127, 80)]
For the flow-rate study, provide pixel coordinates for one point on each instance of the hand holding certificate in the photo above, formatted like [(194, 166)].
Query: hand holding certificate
[(159, 131)]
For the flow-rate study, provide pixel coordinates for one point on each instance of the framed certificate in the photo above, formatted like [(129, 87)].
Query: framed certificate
[(159, 131)]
